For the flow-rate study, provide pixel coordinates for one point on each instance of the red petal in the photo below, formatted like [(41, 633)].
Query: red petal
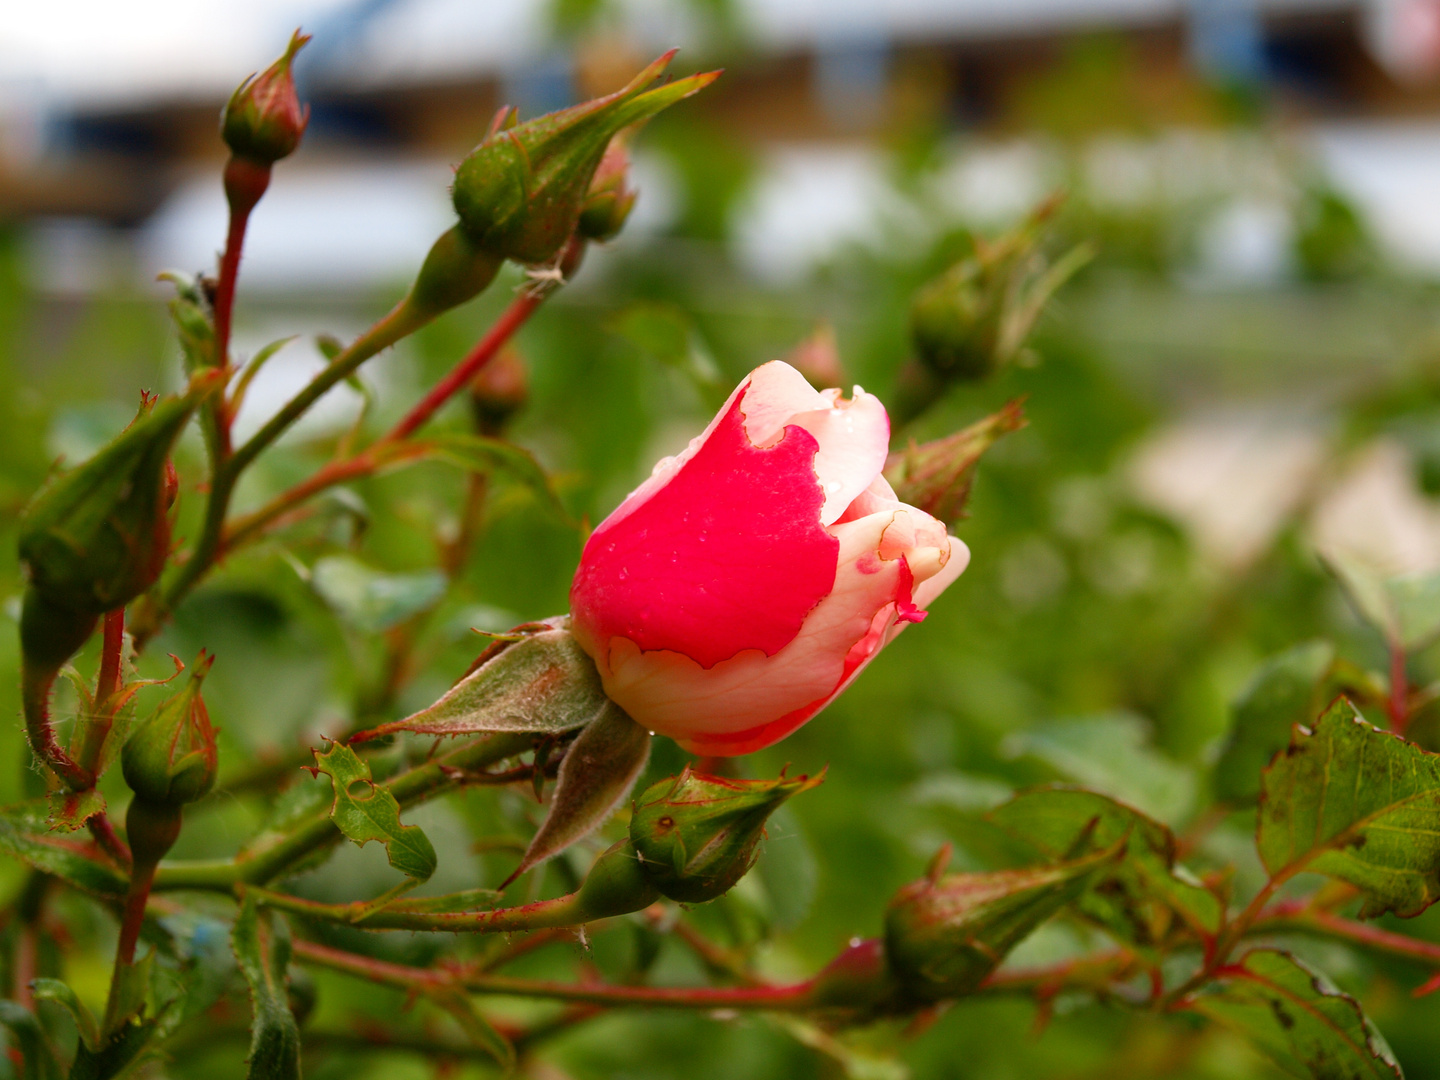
[(729, 555)]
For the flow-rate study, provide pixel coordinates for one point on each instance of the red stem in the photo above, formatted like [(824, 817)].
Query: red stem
[(109, 840), (515, 315), (134, 915), (1399, 704), (771, 997), (111, 648)]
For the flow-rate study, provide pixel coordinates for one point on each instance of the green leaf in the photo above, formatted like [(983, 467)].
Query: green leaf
[(1053, 821), (1405, 609), (944, 937), (1358, 804), (1111, 753), (371, 600), (129, 994), (61, 993), (599, 769), (1284, 691), (262, 950), (70, 810), (543, 683), (1297, 1017), (29, 1038), (24, 835), (480, 454), (364, 811)]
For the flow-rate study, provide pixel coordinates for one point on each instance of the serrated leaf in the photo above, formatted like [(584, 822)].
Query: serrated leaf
[(1358, 804), (24, 835), (372, 600), (1111, 753), (543, 683), (262, 951), (1298, 1018), (1284, 691), (600, 768), (70, 810), (1053, 821), (61, 993), (364, 811), (480, 454), (1405, 609), (944, 937), (29, 1038)]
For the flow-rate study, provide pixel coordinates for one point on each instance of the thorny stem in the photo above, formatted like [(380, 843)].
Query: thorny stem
[(563, 911), (403, 319), (111, 650), (262, 865), (792, 998), (1302, 915), (109, 840), (375, 455)]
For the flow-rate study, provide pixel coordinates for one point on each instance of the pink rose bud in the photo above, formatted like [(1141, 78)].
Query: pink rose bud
[(735, 593)]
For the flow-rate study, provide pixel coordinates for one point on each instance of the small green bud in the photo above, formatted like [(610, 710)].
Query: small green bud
[(936, 476), (170, 759), (976, 316), (520, 193), (98, 536), (617, 884), (264, 120), (697, 835), (945, 935), (610, 199)]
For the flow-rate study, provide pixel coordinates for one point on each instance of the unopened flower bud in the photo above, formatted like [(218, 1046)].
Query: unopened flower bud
[(936, 476), (610, 199), (945, 935), (264, 120), (520, 193), (498, 391), (98, 536), (170, 759), (697, 835), (976, 316)]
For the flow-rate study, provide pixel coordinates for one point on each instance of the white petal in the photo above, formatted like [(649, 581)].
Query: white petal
[(854, 438), (777, 392)]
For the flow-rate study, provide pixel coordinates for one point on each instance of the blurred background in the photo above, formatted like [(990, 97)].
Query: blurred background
[(1247, 374)]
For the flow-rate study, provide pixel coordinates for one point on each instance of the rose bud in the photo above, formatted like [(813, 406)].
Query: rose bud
[(498, 391), (697, 835), (944, 936), (98, 536), (736, 592), (264, 120), (521, 191), (936, 476), (170, 759), (610, 198)]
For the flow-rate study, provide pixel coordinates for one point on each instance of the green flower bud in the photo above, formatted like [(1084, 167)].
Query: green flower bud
[(936, 476), (697, 834), (170, 759), (610, 199), (520, 193), (976, 316), (264, 120), (945, 935), (98, 536)]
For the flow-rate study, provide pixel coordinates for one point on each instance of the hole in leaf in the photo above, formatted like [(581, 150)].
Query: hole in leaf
[(360, 790)]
